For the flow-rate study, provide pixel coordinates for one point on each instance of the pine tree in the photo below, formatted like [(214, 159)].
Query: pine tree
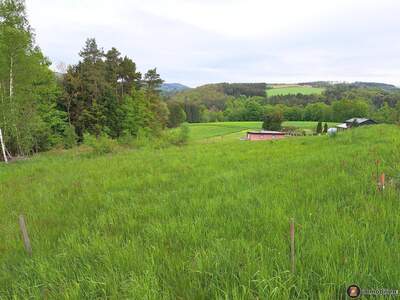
[(129, 78), (113, 64), (86, 90), (91, 53), (97, 88), (151, 85), (326, 128), (152, 81)]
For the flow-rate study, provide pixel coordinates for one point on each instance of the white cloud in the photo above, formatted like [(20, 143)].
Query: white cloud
[(195, 42)]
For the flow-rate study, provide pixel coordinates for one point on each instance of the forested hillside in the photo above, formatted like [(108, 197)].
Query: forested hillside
[(172, 88), (330, 102)]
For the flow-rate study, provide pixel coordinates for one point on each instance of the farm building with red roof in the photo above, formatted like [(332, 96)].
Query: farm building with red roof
[(264, 135)]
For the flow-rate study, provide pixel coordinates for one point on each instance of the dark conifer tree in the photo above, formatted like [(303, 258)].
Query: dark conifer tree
[(103, 94), (129, 78), (326, 128), (319, 128), (152, 81)]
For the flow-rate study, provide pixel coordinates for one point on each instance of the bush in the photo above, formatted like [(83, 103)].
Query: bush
[(101, 144), (184, 132), (69, 137), (127, 139), (144, 137), (177, 137), (273, 121)]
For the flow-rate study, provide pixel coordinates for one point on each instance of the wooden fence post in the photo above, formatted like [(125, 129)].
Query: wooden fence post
[(25, 236), (377, 171), (382, 182), (3, 148), (292, 250)]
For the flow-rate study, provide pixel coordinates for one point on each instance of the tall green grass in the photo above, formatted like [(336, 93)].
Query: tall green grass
[(205, 221)]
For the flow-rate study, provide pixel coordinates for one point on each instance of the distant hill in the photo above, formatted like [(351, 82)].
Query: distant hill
[(173, 87), (209, 95), (375, 85), (357, 84), (215, 96)]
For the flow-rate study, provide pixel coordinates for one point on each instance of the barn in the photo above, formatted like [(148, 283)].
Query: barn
[(264, 135), (355, 122)]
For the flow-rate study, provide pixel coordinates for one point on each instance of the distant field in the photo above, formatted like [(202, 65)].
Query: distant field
[(294, 90), (201, 131)]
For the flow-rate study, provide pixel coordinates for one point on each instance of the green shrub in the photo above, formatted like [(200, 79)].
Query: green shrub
[(273, 121), (177, 137), (127, 139), (144, 138), (69, 137), (184, 133), (101, 144)]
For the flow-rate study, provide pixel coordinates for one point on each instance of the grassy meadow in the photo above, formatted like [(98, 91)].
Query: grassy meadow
[(202, 131), (293, 90), (234, 130), (205, 221)]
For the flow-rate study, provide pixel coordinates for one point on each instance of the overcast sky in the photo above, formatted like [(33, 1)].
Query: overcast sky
[(203, 41)]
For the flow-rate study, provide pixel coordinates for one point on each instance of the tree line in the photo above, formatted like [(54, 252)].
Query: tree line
[(105, 94), (337, 103), (102, 95), (29, 116)]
